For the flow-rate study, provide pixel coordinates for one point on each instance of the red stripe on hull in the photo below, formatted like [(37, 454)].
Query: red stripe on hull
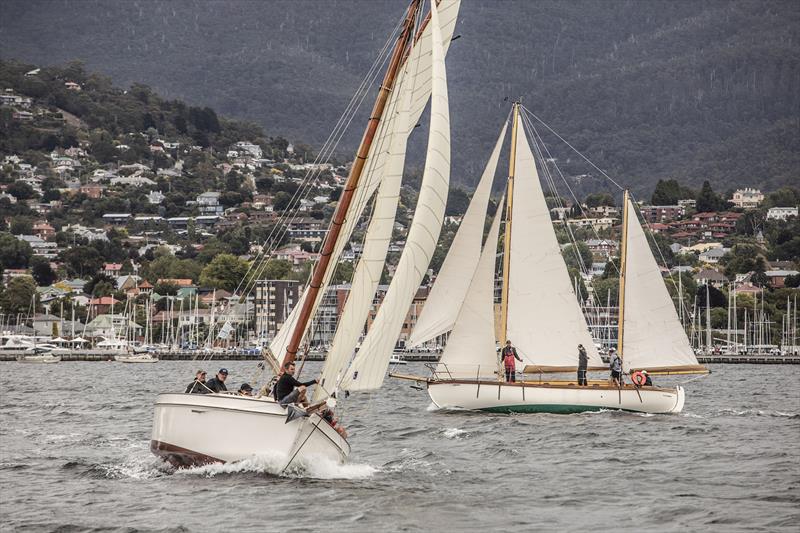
[(181, 457)]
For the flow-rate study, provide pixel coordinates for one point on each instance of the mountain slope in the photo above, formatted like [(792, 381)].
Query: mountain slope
[(647, 89)]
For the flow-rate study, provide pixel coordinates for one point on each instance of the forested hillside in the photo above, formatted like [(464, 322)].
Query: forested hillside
[(648, 89)]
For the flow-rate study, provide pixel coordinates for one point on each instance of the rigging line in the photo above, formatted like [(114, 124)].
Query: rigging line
[(343, 123), (572, 193), (551, 185), (601, 171)]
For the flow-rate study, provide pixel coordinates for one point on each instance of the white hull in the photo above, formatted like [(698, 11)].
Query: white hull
[(40, 359), (195, 429), (143, 358), (552, 398)]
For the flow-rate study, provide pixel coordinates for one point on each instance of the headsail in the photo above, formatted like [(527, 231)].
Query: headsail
[(545, 321), (449, 290), (648, 308), (369, 367), (471, 349), (376, 244)]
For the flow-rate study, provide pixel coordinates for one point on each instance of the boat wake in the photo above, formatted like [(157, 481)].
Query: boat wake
[(311, 468), (454, 433)]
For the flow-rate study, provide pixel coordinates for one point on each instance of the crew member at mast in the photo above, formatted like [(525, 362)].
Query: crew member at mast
[(508, 355), (288, 389), (583, 364), (615, 364)]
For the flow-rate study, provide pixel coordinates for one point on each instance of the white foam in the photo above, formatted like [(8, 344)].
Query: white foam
[(453, 433), (314, 467)]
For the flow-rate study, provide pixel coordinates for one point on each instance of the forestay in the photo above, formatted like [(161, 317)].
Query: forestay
[(369, 366), (648, 309), (378, 153), (471, 348), (545, 321), (443, 303)]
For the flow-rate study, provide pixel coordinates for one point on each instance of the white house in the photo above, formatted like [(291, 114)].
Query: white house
[(781, 213)]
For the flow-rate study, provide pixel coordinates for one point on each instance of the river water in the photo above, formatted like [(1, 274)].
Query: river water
[(74, 441)]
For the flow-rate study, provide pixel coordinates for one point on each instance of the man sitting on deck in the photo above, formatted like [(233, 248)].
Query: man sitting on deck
[(217, 384), (288, 389), (198, 386), (508, 355)]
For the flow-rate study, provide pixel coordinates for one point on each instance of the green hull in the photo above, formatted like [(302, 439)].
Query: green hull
[(550, 408)]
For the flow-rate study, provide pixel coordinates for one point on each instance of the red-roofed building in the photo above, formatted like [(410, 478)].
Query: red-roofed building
[(112, 269), (44, 231), (102, 305)]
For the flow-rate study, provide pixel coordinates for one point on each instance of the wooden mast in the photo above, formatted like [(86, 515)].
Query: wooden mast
[(622, 273), (512, 159), (348, 192)]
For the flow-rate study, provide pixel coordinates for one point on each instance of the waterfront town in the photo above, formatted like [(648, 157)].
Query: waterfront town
[(160, 228)]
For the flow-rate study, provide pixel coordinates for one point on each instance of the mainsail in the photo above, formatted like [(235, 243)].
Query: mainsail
[(545, 321), (369, 367), (379, 150), (444, 301), (648, 308), (471, 350)]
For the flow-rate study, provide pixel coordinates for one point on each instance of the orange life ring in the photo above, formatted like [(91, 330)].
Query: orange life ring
[(638, 378)]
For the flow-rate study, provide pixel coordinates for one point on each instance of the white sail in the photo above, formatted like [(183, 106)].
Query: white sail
[(420, 57), (376, 244), (369, 367), (653, 335), (545, 321), (450, 288), (471, 348)]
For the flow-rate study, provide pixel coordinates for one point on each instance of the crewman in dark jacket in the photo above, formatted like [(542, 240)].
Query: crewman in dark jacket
[(198, 386), (288, 390), (217, 384), (583, 364)]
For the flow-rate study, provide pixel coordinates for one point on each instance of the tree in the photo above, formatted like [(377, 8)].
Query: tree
[(276, 269), (577, 259), (42, 271), (668, 192), (17, 297), (21, 190), (457, 202), (743, 258), (708, 200), (792, 281), (717, 297), (81, 260), (21, 226), (14, 253), (281, 201), (100, 285), (598, 199), (224, 272)]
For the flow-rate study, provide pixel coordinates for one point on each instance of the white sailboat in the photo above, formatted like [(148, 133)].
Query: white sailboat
[(540, 314), (249, 426)]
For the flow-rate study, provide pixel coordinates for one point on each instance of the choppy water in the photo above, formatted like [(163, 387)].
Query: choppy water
[(74, 456)]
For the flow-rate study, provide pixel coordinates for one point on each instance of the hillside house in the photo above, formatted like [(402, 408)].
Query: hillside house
[(747, 198)]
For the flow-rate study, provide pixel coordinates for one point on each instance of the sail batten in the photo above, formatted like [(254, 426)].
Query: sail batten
[(368, 369), (545, 321), (649, 309), (448, 293)]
